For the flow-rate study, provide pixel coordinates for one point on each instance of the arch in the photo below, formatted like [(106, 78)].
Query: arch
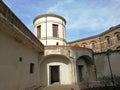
[(84, 44), (54, 68), (93, 44), (117, 33), (92, 41), (117, 36), (87, 59), (107, 36), (76, 45), (118, 48), (55, 55), (83, 68)]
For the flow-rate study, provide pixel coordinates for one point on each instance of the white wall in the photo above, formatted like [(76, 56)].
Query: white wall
[(13, 73), (47, 30), (65, 69)]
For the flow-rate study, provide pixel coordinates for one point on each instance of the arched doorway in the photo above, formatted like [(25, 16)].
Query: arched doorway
[(55, 69), (83, 66)]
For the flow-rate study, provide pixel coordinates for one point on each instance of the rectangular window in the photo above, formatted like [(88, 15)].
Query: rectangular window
[(55, 30), (31, 68), (39, 31)]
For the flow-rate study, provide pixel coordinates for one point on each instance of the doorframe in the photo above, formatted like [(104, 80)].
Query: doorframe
[(49, 75), (80, 71)]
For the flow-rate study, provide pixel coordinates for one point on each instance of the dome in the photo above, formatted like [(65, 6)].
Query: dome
[(49, 14)]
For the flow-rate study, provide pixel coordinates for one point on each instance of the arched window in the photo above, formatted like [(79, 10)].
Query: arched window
[(93, 44), (108, 39), (118, 37), (84, 45), (117, 34)]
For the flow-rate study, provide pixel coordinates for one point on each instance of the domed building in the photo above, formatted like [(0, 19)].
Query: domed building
[(50, 29), (46, 61), (61, 64)]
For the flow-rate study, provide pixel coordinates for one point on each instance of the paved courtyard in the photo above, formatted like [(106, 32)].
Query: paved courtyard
[(61, 87)]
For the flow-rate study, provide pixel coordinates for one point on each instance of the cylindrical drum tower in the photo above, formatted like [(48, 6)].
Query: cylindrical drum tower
[(50, 29)]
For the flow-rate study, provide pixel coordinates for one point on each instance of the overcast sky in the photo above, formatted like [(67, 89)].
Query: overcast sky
[(84, 17)]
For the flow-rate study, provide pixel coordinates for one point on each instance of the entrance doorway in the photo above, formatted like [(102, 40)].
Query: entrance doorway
[(54, 74), (80, 75)]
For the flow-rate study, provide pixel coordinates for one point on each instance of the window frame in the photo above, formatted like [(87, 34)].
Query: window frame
[(93, 45), (32, 68), (84, 45), (55, 30), (39, 31), (118, 37), (108, 40)]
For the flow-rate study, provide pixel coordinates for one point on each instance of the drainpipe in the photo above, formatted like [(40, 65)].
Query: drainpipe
[(108, 58)]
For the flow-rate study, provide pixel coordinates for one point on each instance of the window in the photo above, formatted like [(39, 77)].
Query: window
[(93, 45), (118, 37), (108, 40), (31, 68), (55, 30), (84, 46), (57, 43), (20, 59), (38, 31)]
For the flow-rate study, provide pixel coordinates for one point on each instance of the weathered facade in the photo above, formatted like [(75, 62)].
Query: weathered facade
[(61, 64), (20, 51), (103, 65), (46, 59), (110, 39)]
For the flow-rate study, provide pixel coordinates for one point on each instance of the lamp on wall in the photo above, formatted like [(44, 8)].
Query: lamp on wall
[(108, 53)]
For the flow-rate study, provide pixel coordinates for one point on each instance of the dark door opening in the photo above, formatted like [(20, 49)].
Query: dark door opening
[(80, 72), (54, 74)]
